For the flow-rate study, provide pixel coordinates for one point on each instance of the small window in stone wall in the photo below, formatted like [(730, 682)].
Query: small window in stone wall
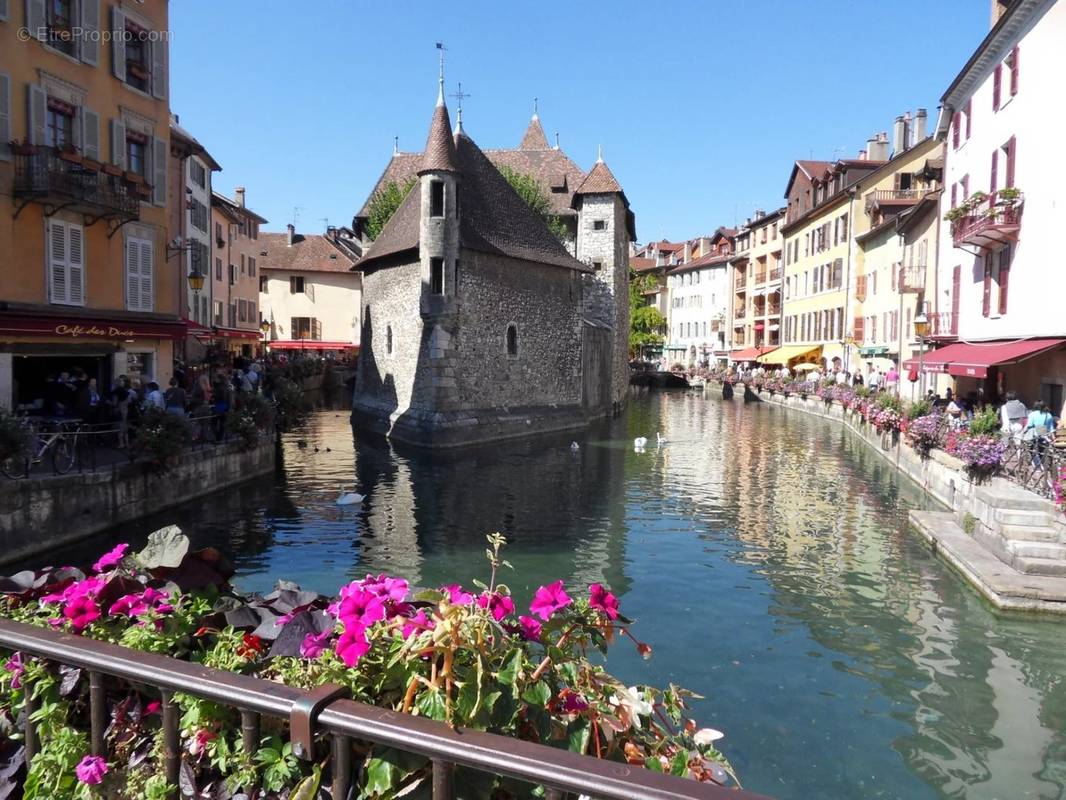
[(599, 225), (388, 340), (512, 340), (597, 265), (436, 198), (436, 276)]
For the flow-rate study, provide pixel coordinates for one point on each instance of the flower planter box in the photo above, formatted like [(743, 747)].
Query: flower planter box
[(111, 169), (71, 156)]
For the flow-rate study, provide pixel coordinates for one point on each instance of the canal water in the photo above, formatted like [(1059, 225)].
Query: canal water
[(764, 553)]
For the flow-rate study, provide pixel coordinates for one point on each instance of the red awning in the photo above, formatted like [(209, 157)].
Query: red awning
[(310, 344), (973, 359), (90, 328), (751, 353), (236, 333)]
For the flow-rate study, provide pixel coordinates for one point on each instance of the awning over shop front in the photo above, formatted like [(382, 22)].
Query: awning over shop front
[(237, 333), (879, 350), (310, 344), (790, 353), (973, 359), (90, 328), (750, 353)]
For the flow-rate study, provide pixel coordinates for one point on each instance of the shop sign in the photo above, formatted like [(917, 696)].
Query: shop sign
[(79, 331)]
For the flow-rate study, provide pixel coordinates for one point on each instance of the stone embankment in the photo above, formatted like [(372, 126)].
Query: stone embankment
[(1008, 542), (41, 513)]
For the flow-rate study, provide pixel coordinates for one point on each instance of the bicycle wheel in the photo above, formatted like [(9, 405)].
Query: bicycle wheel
[(15, 467), (63, 454)]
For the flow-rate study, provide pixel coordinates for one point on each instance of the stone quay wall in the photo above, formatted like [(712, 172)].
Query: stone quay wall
[(40, 513)]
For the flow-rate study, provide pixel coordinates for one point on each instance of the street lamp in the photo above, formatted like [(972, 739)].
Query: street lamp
[(196, 280), (921, 330)]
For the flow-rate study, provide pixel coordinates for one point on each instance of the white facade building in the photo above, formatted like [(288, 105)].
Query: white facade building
[(698, 294), (198, 235), (999, 261)]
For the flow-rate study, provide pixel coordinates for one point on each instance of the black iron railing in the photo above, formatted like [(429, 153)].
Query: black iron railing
[(1033, 463), (322, 713), (46, 174)]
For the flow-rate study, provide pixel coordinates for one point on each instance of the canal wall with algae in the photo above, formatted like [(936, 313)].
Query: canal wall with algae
[(978, 533), (41, 513)]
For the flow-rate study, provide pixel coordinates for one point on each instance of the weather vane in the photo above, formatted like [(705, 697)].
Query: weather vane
[(459, 96)]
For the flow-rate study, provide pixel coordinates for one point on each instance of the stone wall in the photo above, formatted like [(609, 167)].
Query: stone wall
[(42, 513)]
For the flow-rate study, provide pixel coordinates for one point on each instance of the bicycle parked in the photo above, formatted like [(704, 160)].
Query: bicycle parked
[(54, 438)]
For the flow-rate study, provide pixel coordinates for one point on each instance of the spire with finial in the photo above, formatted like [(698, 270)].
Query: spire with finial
[(459, 97), (440, 89), (535, 115), (439, 155), (395, 145), (534, 138), (557, 140), (599, 154)]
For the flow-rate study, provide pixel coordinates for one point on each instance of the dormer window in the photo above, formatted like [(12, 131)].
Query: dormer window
[(436, 198)]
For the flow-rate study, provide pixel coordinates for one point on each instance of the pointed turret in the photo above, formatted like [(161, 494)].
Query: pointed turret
[(440, 147), (534, 138), (600, 180)]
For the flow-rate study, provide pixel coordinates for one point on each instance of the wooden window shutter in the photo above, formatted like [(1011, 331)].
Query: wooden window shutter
[(118, 43), (57, 262), (147, 276), (997, 82), (956, 288), (88, 43), (992, 185), (955, 124), (37, 102), (90, 136), (37, 18), (969, 118), (5, 115), (133, 273), (1010, 148), (986, 300), (75, 264), (1014, 71), (159, 171), (118, 143), (954, 195), (1004, 277), (159, 68)]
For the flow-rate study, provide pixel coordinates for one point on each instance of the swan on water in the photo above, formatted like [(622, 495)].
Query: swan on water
[(574, 447), (659, 438), (350, 499), (640, 441)]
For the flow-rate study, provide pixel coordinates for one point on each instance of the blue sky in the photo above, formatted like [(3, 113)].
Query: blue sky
[(700, 107)]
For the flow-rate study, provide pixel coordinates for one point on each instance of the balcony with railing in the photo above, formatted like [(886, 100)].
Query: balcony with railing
[(66, 180), (894, 197), (740, 313), (774, 274), (943, 325), (741, 282), (987, 220), (911, 278)]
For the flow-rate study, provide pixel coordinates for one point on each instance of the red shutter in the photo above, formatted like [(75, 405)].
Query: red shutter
[(992, 185), (956, 301), (955, 125), (859, 329), (954, 195), (986, 301), (997, 82), (1014, 71), (969, 118), (1004, 277), (1011, 147)]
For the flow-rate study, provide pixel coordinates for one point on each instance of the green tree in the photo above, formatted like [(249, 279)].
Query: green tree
[(384, 204), (530, 190), (645, 322)]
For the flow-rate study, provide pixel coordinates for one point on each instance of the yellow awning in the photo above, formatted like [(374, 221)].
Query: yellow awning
[(790, 353)]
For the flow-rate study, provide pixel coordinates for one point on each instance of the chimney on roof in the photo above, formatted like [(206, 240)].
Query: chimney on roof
[(239, 192), (920, 120), (909, 122), (877, 147), (688, 253), (862, 155), (292, 233), (899, 135), (759, 213)]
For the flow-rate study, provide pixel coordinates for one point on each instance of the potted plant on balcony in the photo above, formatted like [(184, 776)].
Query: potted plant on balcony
[(974, 200), (1008, 196), (957, 213)]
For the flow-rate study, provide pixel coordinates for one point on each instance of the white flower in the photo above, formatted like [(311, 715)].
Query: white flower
[(707, 736), (634, 703)]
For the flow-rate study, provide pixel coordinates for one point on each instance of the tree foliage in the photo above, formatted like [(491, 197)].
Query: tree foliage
[(645, 321), (530, 190), (384, 204)]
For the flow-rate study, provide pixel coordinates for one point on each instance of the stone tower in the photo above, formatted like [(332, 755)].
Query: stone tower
[(604, 232)]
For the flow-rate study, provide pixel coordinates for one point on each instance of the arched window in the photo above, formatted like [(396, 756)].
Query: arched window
[(388, 340), (512, 340)]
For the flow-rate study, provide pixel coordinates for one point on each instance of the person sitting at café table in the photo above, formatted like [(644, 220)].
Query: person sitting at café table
[(1013, 414)]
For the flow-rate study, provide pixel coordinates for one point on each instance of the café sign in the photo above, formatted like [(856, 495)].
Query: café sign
[(95, 331)]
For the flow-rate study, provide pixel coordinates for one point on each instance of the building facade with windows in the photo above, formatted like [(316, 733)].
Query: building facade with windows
[(310, 293), (998, 306), (84, 148), (235, 274), (698, 301), (754, 321)]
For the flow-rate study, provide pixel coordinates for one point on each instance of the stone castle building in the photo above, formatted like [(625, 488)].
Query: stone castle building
[(478, 323)]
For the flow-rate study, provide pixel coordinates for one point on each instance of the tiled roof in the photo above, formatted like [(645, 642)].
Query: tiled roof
[(600, 180), (440, 147), (400, 169), (710, 260), (638, 264), (667, 247), (552, 169), (308, 253), (233, 209), (494, 218), (814, 168), (534, 138)]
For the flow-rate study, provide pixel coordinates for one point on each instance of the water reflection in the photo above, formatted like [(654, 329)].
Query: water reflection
[(764, 553)]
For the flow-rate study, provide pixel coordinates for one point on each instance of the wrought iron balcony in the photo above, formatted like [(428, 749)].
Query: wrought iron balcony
[(912, 278), (882, 197), (740, 313), (775, 274), (993, 221), (66, 181), (741, 283), (943, 325)]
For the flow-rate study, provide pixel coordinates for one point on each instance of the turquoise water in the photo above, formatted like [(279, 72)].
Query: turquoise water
[(764, 553)]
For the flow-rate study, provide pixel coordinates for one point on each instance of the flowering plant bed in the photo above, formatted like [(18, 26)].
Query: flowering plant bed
[(981, 456), (924, 433), (467, 657)]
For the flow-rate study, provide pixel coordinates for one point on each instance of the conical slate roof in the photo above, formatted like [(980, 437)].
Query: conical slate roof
[(600, 180), (440, 149), (534, 138), (494, 218)]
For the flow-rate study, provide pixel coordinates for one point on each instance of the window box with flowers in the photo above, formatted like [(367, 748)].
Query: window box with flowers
[(70, 155), (24, 148)]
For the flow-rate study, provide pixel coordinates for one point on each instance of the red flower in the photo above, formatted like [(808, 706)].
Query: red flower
[(251, 646)]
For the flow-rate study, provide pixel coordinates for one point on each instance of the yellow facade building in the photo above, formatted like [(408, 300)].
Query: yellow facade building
[(84, 138), (754, 320)]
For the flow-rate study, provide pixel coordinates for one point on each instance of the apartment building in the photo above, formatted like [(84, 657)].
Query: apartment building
[(235, 277), (999, 290), (754, 320), (820, 211), (699, 300), (84, 144)]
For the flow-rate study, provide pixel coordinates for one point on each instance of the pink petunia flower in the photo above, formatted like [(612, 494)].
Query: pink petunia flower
[(153, 707), (456, 595), (111, 558), (549, 599), (384, 586), (529, 628), (313, 644), (81, 611), (352, 645), (91, 770), (15, 666), (603, 600), (498, 605), (361, 607), (88, 587), (416, 624)]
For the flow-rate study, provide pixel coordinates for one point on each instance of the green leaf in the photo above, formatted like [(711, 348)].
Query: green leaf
[(679, 765), (381, 774), (578, 736), (431, 704), (469, 700), (307, 789), (512, 667), (166, 548), (653, 764), (538, 694), (428, 596)]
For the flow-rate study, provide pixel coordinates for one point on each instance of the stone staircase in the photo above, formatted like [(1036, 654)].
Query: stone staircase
[(1022, 529)]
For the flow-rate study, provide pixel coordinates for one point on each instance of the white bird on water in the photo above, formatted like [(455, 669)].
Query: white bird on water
[(660, 439), (350, 499), (574, 447), (640, 441)]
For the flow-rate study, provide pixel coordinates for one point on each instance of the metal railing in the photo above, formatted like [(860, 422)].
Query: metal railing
[(323, 713), (890, 195), (995, 219), (1034, 464), (912, 278), (45, 173), (943, 324)]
